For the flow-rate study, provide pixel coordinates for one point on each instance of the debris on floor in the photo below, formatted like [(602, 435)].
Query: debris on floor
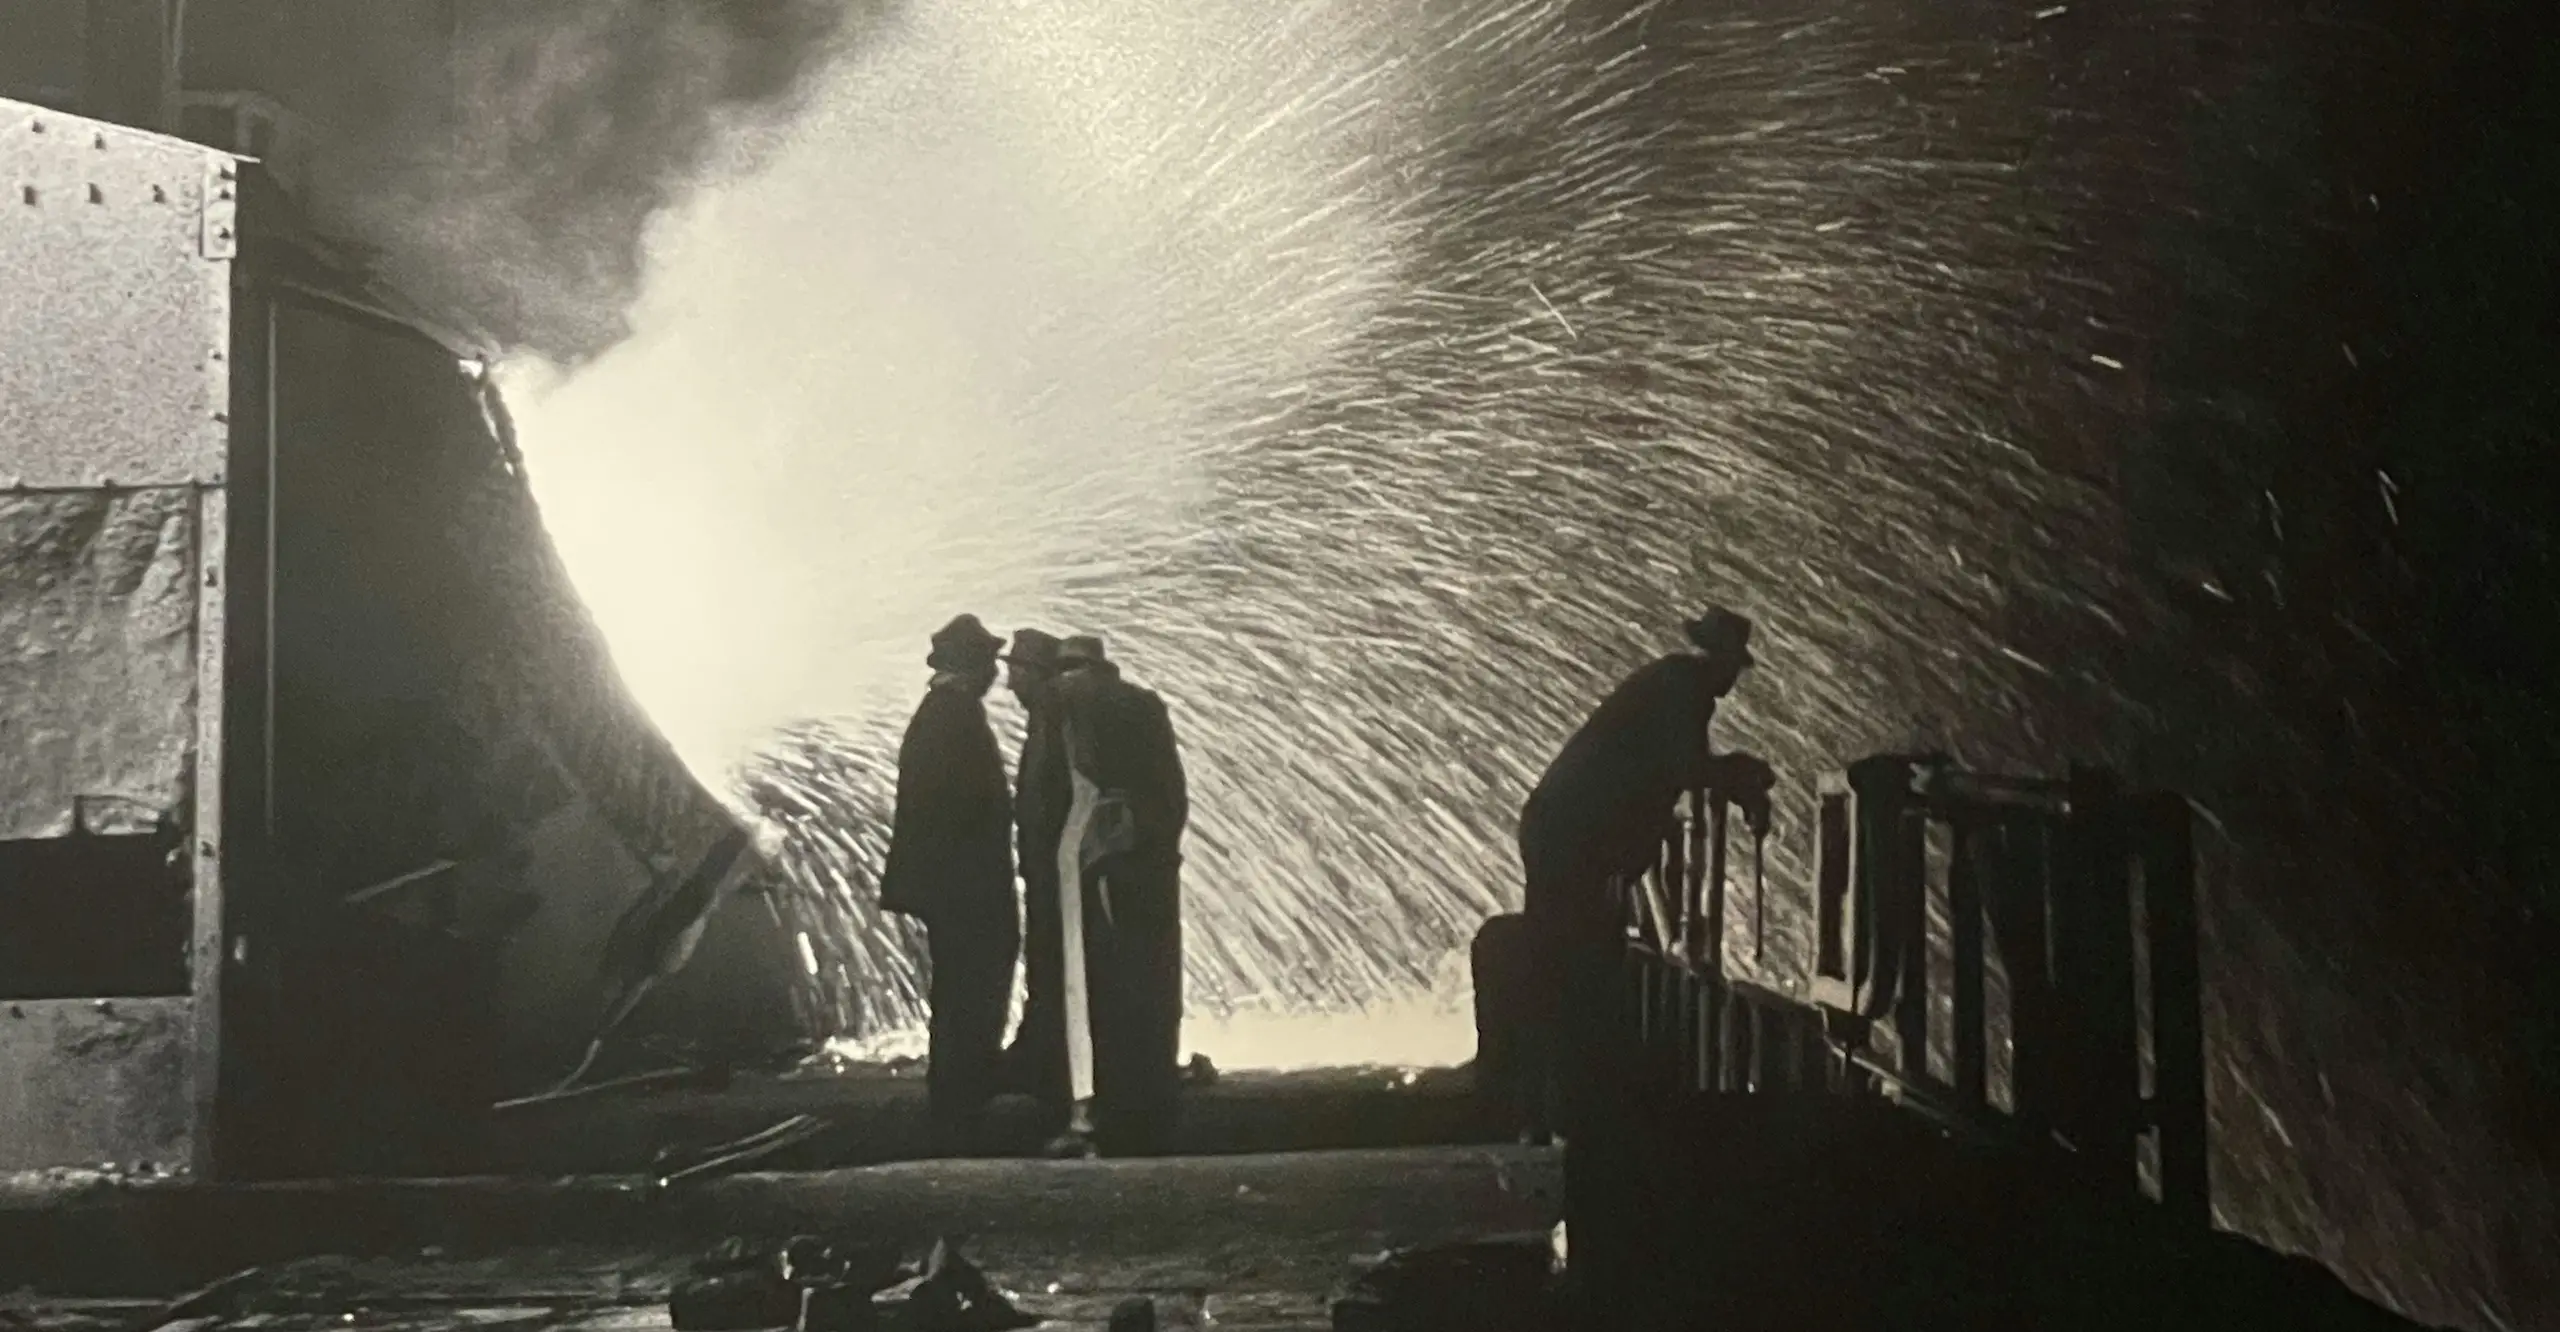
[(715, 1077), (811, 1285), (1506, 1284), (955, 1296), (807, 1284), (675, 1166)]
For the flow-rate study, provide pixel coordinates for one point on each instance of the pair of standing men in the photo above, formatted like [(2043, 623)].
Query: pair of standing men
[(1097, 815)]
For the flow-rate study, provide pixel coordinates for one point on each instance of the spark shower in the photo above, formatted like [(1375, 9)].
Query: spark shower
[(1383, 384)]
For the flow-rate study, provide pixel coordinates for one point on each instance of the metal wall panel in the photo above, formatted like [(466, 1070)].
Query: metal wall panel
[(95, 1082), (98, 660), (207, 944), (115, 320)]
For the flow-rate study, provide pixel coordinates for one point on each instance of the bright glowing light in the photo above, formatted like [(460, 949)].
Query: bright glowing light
[(1416, 1032), (1421, 1031), (867, 384)]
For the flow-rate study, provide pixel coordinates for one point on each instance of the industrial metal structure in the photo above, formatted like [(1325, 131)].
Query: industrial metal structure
[(318, 790), (2074, 899), (1999, 1058)]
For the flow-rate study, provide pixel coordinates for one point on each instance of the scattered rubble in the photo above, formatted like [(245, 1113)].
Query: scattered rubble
[(955, 1296), (811, 1285), (1506, 1284)]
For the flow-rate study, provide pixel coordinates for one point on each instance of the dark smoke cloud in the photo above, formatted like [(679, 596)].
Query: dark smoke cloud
[(520, 197)]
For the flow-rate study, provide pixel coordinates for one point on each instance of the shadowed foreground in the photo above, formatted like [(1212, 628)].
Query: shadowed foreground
[(1258, 1240)]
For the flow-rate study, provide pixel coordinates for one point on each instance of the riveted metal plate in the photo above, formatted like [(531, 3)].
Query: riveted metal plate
[(98, 609), (94, 1082), (219, 237), (206, 949), (114, 322)]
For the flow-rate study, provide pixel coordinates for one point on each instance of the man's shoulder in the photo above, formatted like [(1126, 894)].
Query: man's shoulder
[(953, 698), (1674, 667), (1078, 690), (948, 708), (1113, 690), (1659, 678)]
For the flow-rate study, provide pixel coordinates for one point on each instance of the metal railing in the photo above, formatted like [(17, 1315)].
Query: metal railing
[(1698, 1027), (1938, 892)]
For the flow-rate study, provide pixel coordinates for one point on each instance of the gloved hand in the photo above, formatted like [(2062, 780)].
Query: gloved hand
[(1746, 780), (1755, 811), (1740, 775)]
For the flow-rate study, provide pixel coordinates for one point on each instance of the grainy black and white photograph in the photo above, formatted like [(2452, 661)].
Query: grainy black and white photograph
[(1444, 666)]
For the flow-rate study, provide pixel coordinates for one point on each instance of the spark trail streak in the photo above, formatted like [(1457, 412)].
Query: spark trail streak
[(1397, 384)]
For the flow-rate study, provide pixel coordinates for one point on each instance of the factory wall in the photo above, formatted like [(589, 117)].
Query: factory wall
[(319, 792), (115, 274)]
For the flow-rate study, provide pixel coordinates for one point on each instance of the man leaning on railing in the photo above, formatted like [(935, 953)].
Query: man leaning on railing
[(1600, 814)]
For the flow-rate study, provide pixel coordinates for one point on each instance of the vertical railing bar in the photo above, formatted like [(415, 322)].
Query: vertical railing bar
[(2177, 1024), (1908, 864), (1831, 888), (1964, 911), (1712, 947), (1695, 832)]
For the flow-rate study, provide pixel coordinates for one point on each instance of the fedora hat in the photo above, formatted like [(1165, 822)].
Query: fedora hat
[(1081, 650), (1721, 633), (962, 644), (1035, 649)]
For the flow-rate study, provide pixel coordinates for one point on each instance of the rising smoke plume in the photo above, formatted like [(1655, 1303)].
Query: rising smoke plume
[(520, 195)]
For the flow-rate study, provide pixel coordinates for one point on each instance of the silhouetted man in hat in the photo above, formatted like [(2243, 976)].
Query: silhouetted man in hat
[(1120, 866), (1601, 812), (1037, 1062), (951, 866)]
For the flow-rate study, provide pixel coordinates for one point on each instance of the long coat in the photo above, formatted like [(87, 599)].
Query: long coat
[(1042, 793), (951, 840), (1122, 739)]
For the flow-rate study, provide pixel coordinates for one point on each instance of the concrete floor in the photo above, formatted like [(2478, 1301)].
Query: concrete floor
[(1253, 1241), (879, 1113)]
